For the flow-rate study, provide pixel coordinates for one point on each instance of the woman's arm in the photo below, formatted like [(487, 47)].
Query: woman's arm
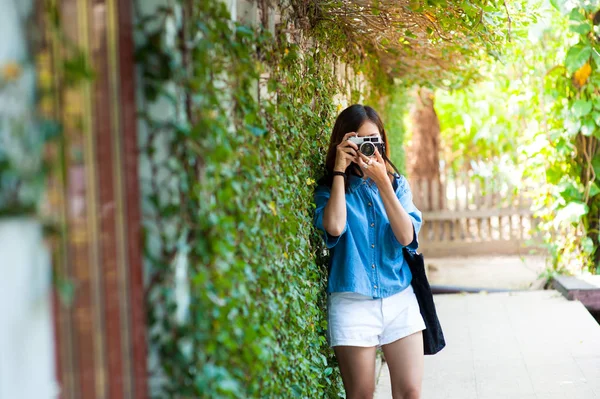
[(334, 214), (400, 220)]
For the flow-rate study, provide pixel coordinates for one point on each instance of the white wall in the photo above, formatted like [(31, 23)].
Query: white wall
[(26, 330)]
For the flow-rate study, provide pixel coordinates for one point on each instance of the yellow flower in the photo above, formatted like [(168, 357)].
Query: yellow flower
[(582, 74), (286, 52), (310, 182), (272, 207), (10, 71), (339, 107), (285, 255)]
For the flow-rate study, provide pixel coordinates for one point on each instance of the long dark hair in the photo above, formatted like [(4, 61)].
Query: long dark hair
[(350, 120)]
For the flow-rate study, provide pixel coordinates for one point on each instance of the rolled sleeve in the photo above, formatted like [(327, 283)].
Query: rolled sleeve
[(321, 198), (404, 194)]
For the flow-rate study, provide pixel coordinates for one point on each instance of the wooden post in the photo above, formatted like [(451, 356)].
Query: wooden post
[(101, 338)]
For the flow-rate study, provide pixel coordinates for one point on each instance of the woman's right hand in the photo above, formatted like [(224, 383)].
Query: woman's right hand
[(345, 153)]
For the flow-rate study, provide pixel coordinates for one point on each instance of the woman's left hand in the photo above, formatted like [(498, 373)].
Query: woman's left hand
[(373, 167)]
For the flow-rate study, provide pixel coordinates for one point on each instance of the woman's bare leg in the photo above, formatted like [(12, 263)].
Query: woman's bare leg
[(357, 365), (405, 361)]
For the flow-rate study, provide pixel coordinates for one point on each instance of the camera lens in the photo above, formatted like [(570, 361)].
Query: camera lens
[(367, 148)]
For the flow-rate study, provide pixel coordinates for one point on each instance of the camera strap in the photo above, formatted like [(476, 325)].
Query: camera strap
[(385, 158)]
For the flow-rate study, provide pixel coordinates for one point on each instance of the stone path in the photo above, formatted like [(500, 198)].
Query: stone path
[(525, 345)]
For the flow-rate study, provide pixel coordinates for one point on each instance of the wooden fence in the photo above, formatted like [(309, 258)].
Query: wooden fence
[(469, 215)]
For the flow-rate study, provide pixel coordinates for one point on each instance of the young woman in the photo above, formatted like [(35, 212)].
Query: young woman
[(366, 215)]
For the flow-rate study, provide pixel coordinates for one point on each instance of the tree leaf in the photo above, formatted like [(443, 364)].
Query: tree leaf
[(576, 15), (581, 108), (596, 56), (588, 127), (571, 213), (594, 189), (596, 166), (572, 126), (582, 28), (557, 4), (577, 56), (587, 244), (596, 116)]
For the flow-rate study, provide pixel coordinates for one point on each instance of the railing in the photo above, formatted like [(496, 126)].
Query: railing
[(466, 214)]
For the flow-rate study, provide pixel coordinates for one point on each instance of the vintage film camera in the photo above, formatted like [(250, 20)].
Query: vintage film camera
[(367, 144)]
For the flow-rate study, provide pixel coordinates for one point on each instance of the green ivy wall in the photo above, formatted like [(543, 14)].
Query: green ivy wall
[(234, 123)]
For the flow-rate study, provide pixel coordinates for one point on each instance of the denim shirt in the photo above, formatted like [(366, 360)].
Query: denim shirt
[(367, 257)]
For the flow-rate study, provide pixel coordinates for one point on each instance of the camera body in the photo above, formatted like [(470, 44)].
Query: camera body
[(367, 144)]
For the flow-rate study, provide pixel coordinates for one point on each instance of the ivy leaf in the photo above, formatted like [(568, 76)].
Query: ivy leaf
[(594, 189), (414, 5), (568, 190), (587, 244), (571, 213), (375, 8), (257, 131), (596, 166), (572, 126), (596, 116), (588, 128), (596, 56), (408, 33), (244, 30), (557, 4), (576, 15), (581, 108), (296, 390), (583, 28), (577, 56)]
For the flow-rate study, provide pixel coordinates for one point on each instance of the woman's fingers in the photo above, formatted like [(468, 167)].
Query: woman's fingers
[(378, 155), (347, 143), (359, 160), (349, 150), (347, 135), (363, 157)]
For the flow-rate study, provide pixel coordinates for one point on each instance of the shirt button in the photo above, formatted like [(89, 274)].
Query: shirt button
[(372, 224), (373, 266), (372, 245), (375, 286), (370, 204)]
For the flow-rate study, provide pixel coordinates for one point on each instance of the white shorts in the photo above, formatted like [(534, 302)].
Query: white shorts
[(359, 320)]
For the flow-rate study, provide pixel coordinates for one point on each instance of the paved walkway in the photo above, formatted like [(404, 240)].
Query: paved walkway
[(525, 345), (510, 272)]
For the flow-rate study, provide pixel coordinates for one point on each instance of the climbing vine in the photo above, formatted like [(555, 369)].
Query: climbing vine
[(231, 171), (534, 120), (575, 170)]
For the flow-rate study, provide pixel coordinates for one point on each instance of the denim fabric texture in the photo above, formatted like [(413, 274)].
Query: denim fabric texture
[(367, 257)]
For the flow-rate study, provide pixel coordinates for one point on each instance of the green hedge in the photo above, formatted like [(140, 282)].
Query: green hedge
[(234, 193)]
